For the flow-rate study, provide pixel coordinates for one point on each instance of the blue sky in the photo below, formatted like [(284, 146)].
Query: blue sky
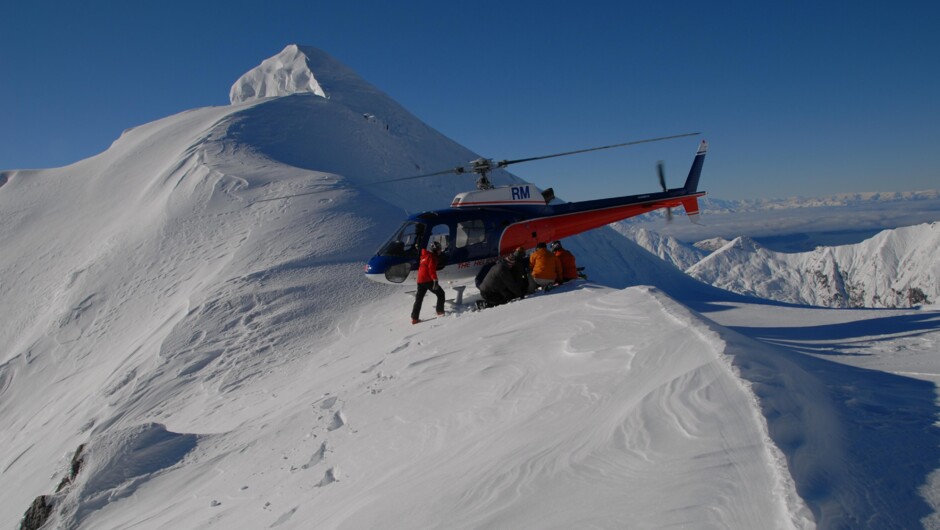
[(795, 98)]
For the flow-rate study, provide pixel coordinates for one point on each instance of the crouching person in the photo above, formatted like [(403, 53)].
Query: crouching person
[(500, 284), (546, 269), (569, 266)]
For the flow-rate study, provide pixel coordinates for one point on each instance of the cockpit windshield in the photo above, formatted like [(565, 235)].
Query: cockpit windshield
[(406, 242)]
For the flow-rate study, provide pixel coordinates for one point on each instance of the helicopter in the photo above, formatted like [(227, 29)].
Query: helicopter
[(482, 225)]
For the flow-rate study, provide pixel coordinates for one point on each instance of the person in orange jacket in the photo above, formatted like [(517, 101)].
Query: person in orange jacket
[(546, 269), (427, 281), (569, 266)]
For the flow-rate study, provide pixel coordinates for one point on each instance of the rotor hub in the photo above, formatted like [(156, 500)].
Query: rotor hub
[(482, 166)]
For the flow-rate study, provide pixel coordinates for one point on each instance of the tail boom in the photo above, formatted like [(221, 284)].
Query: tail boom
[(561, 225)]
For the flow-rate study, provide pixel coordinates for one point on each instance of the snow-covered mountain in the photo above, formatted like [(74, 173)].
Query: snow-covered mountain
[(180, 352), (801, 224), (707, 246), (896, 268), (668, 249)]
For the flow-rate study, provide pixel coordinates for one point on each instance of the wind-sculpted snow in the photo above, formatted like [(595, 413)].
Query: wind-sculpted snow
[(148, 278), (287, 73), (116, 465), (297, 70), (389, 144), (557, 411)]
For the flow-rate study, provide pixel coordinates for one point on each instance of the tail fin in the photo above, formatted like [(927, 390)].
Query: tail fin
[(691, 182), (691, 209)]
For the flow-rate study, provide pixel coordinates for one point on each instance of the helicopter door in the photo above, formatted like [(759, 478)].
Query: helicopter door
[(471, 242)]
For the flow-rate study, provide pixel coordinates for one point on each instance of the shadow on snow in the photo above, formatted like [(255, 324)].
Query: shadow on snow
[(877, 440)]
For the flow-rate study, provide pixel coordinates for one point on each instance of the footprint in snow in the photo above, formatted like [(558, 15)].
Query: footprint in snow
[(317, 457), (284, 517), (373, 367), (400, 347), (331, 476), (339, 419)]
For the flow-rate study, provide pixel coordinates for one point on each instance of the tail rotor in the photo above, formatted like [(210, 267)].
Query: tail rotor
[(662, 182)]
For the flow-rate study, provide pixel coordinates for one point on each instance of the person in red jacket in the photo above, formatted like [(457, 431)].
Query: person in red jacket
[(427, 281), (569, 267)]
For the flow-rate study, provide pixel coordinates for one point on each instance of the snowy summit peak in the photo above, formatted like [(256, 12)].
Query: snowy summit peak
[(296, 70)]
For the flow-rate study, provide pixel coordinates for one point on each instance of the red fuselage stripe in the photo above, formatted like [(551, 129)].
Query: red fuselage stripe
[(545, 229)]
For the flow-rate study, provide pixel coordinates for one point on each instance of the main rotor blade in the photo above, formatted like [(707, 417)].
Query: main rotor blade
[(456, 170), (504, 163)]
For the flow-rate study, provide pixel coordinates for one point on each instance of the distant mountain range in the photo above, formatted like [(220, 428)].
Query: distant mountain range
[(843, 199), (896, 268)]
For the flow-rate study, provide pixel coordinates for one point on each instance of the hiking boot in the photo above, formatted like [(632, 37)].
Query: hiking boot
[(415, 320)]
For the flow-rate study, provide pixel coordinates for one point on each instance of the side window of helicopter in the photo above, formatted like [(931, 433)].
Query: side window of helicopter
[(470, 233), (441, 234), (404, 241)]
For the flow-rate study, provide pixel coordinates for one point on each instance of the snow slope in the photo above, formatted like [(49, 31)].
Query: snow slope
[(896, 268), (557, 419), (217, 359)]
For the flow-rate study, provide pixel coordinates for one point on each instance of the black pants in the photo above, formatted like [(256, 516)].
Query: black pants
[(423, 288), (493, 298)]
